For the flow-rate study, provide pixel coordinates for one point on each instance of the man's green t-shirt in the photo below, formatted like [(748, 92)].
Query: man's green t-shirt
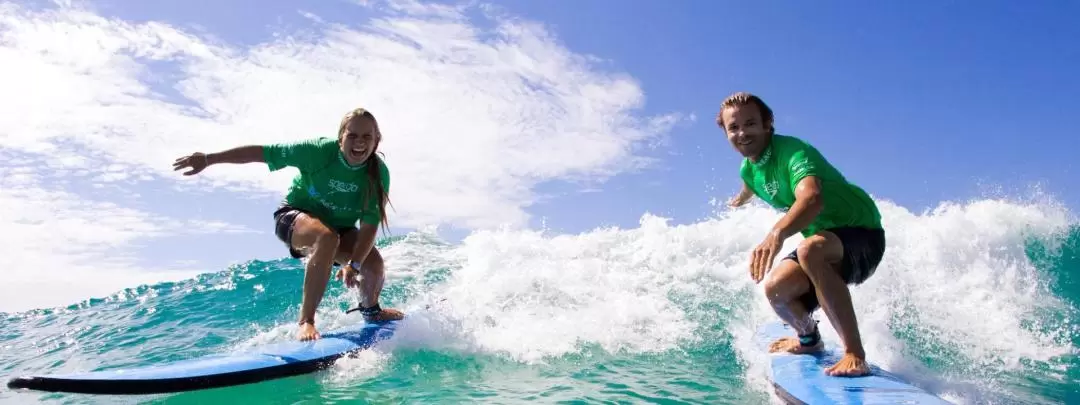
[(785, 162), (328, 187)]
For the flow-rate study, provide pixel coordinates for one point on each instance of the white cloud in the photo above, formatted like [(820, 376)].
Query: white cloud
[(58, 245), (473, 119), (415, 8)]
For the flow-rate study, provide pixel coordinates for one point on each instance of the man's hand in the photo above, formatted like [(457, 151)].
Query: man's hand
[(348, 275), (762, 257), (737, 201), (744, 195), (807, 206)]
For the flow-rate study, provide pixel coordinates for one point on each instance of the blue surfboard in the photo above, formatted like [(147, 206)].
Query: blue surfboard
[(218, 370), (801, 378)]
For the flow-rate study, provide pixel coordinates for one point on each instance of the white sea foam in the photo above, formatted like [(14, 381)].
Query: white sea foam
[(956, 277)]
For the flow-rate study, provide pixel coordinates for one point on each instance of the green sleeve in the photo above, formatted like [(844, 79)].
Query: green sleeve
[(297, 154), (384, 172), (372, 216), (805, 162)]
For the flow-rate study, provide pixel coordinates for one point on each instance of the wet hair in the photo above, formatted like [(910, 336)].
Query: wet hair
[(742, 99), (373, 162)]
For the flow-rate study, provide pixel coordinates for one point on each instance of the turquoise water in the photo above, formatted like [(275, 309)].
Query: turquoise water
[(979, 303)]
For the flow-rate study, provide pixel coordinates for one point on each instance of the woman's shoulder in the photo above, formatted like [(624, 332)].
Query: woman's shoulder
[(324, 142), (325, 146), (384, 170)]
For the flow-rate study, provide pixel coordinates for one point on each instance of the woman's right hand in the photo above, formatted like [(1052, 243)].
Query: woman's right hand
[(196, 161)]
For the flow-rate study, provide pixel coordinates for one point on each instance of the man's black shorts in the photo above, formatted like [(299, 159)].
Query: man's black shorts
[(863, 249)]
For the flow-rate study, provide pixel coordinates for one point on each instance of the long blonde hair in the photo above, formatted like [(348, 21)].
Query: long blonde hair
[(374, 162)]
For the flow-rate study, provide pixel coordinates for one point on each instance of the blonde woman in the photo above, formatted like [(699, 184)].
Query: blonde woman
[(341, 182)]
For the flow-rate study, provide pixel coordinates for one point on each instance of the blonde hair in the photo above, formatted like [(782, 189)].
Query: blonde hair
[(742, 99), (358, 112), (374, 162)]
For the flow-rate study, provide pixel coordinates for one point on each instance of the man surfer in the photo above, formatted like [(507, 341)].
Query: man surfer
[(844, 239), (341, 181)]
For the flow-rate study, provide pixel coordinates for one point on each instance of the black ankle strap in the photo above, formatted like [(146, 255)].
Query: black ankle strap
[(367, 312), (812, 338)]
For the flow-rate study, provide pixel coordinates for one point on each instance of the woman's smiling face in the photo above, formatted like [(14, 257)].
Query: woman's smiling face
[(358, 140)]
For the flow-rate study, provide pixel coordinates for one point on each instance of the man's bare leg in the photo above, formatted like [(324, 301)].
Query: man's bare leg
[(816, 254), (786, 283)]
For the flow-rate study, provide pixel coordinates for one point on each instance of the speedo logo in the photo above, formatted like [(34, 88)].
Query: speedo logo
[(342, 186), (772, 187)]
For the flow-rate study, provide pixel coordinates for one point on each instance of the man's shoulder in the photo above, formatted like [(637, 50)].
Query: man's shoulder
[(790, 143), (788, 147)]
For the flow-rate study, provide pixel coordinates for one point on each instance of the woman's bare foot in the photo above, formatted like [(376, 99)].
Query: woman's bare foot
[(791, 345), (849, 366), (307, 332), (387, 314)]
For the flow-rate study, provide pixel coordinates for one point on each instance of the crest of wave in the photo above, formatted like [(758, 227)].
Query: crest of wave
[(955, 279), (528, 295)]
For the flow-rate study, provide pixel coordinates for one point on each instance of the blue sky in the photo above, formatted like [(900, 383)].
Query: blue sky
[(592, 114), (916, 102)]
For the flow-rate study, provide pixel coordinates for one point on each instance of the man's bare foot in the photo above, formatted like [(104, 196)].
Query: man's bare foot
[(387, 314), (791, 345), (307, 332), (849, 366)]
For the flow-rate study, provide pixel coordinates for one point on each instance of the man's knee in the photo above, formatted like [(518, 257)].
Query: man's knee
[(811, 249), (823, 248), (786, 283), (775, 289)]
